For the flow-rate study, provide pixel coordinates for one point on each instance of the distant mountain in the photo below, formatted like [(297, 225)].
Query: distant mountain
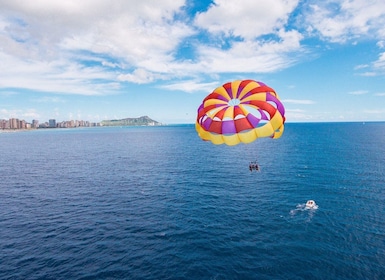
[(141, 121)]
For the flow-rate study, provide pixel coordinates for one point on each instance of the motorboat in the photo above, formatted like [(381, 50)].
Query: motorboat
[(311, 204)]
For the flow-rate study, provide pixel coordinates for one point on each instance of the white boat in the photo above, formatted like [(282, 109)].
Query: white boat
[(311, 204)]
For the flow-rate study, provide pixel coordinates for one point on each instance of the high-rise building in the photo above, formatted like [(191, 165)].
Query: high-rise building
[(4, 124), (52, 123), (35, 123), (13, 123)]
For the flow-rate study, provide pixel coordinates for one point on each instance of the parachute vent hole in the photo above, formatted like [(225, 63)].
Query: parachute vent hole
[(234, 102)]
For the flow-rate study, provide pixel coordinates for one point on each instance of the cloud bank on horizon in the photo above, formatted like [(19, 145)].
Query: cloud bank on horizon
[(61, 52)]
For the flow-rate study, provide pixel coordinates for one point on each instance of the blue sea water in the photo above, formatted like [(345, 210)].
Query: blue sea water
[(159, 203)]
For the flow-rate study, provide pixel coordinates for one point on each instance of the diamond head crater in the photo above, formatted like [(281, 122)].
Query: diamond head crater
[(141, 121)]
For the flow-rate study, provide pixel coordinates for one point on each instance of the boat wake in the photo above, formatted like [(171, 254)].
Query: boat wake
[(305, 209)]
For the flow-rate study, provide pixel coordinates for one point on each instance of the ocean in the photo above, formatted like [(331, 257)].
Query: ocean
[(160, 203)]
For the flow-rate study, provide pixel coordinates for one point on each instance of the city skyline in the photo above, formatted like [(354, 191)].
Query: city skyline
[(16, 123), (96, 60)]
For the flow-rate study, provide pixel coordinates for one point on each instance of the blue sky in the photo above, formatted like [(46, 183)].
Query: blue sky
[(99, 59)]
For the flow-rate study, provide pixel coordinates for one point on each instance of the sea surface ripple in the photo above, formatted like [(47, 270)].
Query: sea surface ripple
[(159, 203)]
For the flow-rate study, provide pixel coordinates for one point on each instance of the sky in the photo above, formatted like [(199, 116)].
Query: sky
[(97, 59)]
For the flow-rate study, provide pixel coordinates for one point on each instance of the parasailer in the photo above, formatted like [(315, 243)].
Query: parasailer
[(240, 112), (253, 165)]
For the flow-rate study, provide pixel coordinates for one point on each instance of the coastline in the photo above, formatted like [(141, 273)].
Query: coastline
[(17, 130)]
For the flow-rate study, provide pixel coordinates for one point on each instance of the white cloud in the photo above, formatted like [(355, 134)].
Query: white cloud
[(192, 86), (293, 115), (238, 29), (344, 20), (252, 56), (358, 92), (248, 19), (87, 41), (139, 76), (369, 74), (376, 68), (20, 114), (374, 111), (50, 99), (381, 44), (45, 43), (59, 76), (361, 66), (90, 47), (380, 63)]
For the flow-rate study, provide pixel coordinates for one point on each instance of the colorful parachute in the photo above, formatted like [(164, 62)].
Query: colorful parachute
[(240, 111)]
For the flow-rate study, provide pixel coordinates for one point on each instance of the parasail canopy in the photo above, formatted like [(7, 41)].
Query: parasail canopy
[(240, 112)]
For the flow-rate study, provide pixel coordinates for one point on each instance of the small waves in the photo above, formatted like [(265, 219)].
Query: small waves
[(160, 204)]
